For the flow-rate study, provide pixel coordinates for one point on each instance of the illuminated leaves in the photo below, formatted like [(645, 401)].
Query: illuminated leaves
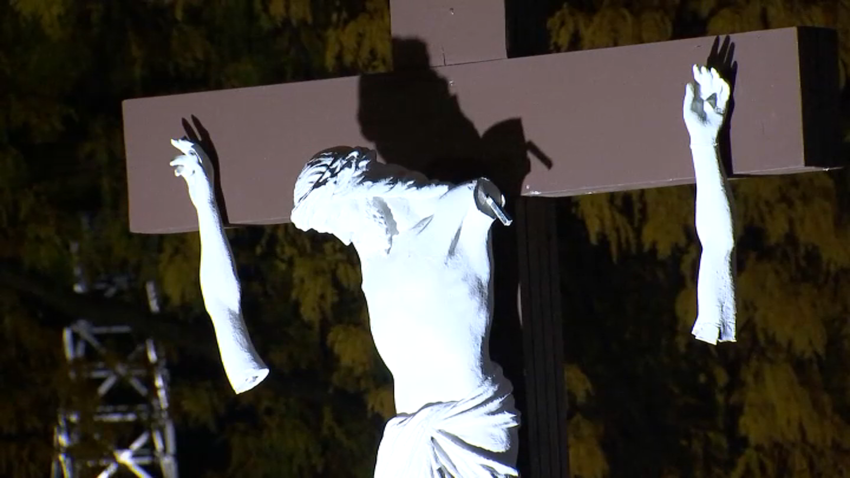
[(190, 48), (574, 29), (288, 446), (178, 269), (779, 409), (667, 216), (734, 19), (605, 217), (654, 26), (610, 26), (41, 117), (48, 13), (381, 401), (801, 207), (293, 11), (28, 367), (198, 404), (354, 348), (361, 43), (563, 27), (587, 459), (577, 382)]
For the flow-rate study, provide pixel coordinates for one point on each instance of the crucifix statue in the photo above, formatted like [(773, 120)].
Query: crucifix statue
[(426, 263)]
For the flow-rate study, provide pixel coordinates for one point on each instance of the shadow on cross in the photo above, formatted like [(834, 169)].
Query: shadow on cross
[(415, 121), (721, 57)]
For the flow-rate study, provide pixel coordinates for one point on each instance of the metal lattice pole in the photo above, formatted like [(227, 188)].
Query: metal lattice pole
[(120, 424)]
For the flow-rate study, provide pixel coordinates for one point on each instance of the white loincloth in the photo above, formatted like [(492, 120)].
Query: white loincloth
[(474, 437)]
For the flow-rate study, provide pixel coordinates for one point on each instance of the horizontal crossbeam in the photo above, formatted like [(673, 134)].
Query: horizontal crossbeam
[(608, 119)]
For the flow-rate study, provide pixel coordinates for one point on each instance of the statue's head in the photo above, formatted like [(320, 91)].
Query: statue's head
[(327, 200), (348, 193)]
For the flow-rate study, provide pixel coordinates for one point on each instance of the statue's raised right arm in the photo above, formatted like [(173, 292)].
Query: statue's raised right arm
[(219, 282)]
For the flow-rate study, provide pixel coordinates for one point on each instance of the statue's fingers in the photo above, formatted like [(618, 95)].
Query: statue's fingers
[(185, 164), (696, 72), (185, 146), (723, 94), (693, 104), (716, 82), (183, 160), (689, 94), (703, 79)]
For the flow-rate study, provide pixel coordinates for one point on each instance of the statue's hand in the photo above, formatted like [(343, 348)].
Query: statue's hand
[(705, 104), (196, 168)]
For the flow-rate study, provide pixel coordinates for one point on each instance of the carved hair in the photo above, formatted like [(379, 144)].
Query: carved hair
[(376, 189)]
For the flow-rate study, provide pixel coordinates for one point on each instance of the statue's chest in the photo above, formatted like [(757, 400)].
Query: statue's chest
[(409, 276), (417, 310)]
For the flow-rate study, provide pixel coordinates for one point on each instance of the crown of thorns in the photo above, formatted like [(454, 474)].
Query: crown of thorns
[(332, 162)]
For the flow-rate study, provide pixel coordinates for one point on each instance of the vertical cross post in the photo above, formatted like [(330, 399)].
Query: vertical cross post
[(454, 31), (545, 414), (470, 31)]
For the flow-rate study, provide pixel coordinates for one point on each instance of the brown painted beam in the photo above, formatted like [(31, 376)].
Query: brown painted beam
[(608, 119), (455, 31)]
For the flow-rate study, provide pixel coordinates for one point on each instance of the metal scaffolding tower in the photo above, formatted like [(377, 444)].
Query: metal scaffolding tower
[(117, 422)]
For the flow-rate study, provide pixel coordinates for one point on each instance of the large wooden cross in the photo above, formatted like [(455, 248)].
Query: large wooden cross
[(541, 126)]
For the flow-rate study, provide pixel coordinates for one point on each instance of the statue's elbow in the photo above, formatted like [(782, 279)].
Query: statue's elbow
[(721, 242)]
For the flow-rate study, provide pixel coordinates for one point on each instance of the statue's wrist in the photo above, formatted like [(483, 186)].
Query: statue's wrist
[(703, 141), (202, 196)]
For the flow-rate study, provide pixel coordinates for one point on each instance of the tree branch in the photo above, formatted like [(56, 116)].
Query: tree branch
[(191, 338)]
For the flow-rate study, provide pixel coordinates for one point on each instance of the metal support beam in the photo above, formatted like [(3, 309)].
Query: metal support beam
[(117, 420)]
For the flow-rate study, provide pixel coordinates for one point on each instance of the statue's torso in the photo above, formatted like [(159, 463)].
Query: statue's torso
[(428, 306)]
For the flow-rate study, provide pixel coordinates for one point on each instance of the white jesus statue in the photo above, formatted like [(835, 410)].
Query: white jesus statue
[(426, 266), (426, 263)]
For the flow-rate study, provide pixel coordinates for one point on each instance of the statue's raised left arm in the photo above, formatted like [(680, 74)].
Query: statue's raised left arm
[(704, 111)]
